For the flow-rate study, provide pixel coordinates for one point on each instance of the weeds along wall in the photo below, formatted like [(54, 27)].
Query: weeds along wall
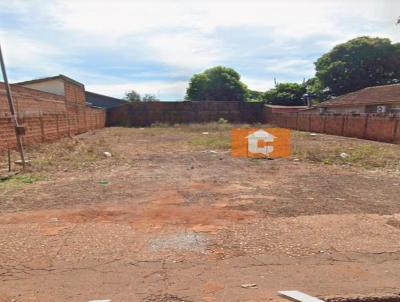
[(45, 116), (147, 113), (381, 128)]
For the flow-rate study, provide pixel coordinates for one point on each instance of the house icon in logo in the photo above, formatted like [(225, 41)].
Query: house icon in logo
[(260, 142)]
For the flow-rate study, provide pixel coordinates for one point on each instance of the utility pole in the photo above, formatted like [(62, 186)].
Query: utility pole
[(18, 129)]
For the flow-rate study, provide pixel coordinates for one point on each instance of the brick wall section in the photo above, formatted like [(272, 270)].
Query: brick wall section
[(291, 121), (7, 136), (303, 122), (397, 133), (74, 93), (381, 128), (372, 127), (355, 126), (316, 124), (334, 124), (29, 101), (145, 114), (46, 117)]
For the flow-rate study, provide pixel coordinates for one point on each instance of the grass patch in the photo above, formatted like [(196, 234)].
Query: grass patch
[(161, 125), (17, 181), (345, 151), (69, 153), (207, 127), (372, 156), (212, 141)]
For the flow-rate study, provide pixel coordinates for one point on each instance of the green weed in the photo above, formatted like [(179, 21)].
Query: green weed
[(211, 141), (18, 181)]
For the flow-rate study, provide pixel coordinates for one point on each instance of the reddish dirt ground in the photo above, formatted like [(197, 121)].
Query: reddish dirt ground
[(165, 219)]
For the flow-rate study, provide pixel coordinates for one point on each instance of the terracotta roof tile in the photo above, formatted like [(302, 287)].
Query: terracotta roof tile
[(367, 96)]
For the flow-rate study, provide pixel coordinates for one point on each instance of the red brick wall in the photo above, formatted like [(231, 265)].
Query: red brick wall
[(355, 126), (46, 117), (291, 121), (317, 124), (372, 127), (29, 101), (334, 124), (397, 133), (74, 93), (147, 113), (303, 122), (7, 134), (381, 129)]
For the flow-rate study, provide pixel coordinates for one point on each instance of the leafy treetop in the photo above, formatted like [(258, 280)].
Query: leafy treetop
[(150, 98), (359, 63), (217, 84), (132, 96), (286, 94)]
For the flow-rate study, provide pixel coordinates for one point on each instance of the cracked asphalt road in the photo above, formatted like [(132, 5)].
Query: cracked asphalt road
[(195, 226)]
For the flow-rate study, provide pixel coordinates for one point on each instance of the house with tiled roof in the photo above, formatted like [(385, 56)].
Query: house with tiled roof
[(378, 99)]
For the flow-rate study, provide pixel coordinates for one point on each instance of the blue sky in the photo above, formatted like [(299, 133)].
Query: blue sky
[(156, 46)]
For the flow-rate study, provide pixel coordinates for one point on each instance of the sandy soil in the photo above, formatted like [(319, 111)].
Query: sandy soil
[(165, 219)]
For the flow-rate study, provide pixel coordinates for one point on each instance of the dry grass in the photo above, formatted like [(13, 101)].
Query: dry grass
[(212, 141), (79, 153), (75, 153), (87, 151), (330, 150)]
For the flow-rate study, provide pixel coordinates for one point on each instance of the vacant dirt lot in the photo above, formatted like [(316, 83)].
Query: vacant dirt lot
[(171, 216)]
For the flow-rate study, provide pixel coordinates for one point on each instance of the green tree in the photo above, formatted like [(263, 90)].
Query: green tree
[(318, 93), (132, 96), (286, 94), (255, 96), (217, 84), (359, 63), (150, 98)]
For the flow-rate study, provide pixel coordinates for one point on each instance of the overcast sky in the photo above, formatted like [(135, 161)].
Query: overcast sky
[(156, 46)]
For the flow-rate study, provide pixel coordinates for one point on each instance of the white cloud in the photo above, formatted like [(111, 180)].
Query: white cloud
[(290, 67), (166, 90), (182, 50), (22, 52), (292, 18), (180, 33), (258, 84), (178, 38)]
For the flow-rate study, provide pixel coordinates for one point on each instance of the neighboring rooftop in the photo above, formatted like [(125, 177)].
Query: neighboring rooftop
[(367, 96), (60, 76), (103, 101), (285, 107)]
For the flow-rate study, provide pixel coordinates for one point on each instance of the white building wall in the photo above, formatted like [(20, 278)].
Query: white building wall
[(55, 86), (355, 109)]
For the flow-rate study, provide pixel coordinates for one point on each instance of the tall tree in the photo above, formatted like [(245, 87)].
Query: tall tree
[(132, 96), (217, 84), (255, 96), (359, 63), (316, 90), (150, 98), (286, 94)]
